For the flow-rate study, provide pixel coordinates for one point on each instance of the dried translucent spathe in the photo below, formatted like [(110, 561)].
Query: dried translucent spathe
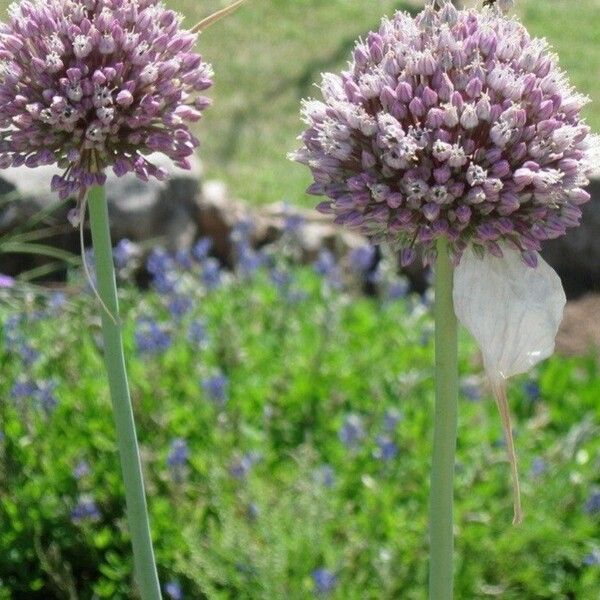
[(456, 124), (88, 84)]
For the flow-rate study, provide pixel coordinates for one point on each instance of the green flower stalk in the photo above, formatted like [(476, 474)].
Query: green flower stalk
[(89, 85), (137, 512), (454, 135)]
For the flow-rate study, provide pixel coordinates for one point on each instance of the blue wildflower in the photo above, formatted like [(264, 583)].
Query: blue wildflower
[(391, 418), (202, 248), (293, 221), (179, 453), (240, 467), (398, 289), (81, 469), (211, 273), (29, 355), (173, 590), (85, 510), (242, 231), (470, 388), (281, 278), (252, 511), (23, 388), (324, 580), (352, 431), (592, 559), (531, 390), (592, 506), (325, 264), (361, 259), (179, 305), (324, 475), (123, 252), (248, 259), (386, 448), (197, 333), (216, 387), (538, 467), (150, 337), (159, 261), (56, 301), (45, 395), (183, 258)]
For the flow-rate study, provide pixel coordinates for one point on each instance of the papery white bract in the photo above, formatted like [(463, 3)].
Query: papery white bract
[(514, 312)]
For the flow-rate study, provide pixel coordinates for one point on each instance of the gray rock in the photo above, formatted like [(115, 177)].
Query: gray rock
[(139, 210)]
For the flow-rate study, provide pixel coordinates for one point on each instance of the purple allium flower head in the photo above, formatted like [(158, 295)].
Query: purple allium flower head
[(324, 580), (90, 84), (455, 124)]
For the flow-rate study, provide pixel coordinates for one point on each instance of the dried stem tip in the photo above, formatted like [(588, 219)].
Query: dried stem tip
[(216, 16)]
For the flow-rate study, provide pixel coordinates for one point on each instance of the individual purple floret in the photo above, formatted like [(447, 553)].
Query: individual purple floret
[(87, 85), (455, 124)]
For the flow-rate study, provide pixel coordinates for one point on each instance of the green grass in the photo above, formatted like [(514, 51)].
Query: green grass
[(271, 53), (296, 372)]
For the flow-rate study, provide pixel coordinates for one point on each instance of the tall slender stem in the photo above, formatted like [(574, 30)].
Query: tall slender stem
[(137, 512), (444, 442)]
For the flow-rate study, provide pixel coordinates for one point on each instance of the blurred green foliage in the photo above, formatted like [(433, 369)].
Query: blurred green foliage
[(297, 368)]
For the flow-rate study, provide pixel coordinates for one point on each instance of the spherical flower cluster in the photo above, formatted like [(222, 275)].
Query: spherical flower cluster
[(453, 123), (88, 84)]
